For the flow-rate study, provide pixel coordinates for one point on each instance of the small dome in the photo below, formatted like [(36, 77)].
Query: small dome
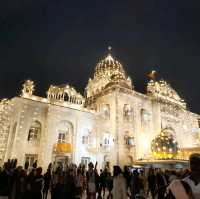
[(109, 67), (164, 146)]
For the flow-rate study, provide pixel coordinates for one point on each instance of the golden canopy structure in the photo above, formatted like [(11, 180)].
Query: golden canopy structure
[(164, 146), (63, 148)]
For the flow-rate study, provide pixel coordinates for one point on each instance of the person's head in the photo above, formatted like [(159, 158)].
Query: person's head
[(19, 168), (78, 171), (90, 166), (142, 172), (116, 170), (71, 172), (173, 172), (39, 171), (194, 161), (126, 169), (135, 173), (23, 173), (106, 169), (151, 171)]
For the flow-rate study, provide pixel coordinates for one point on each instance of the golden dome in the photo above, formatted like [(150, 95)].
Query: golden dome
[(109, 67), (165, 146)]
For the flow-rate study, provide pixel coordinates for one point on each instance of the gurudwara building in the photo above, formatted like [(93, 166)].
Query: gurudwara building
[(111, 124)]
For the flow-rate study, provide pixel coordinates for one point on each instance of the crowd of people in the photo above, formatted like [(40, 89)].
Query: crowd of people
[(77, 182)]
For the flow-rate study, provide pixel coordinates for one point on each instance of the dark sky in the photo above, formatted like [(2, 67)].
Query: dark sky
[(60, 41)]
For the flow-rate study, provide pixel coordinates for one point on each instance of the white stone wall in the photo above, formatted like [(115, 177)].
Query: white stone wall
[(50, 116), (96, 127)]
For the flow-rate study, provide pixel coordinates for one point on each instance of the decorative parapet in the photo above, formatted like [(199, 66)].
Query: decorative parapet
[(64, 93), (162, 91)]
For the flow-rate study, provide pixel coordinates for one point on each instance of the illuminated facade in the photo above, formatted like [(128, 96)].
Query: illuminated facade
[(112, 124)]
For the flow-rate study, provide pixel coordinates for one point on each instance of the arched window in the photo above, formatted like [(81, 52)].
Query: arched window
[(61, 138), (85, 139), (106, 141), (128, 112), (106, 111), (65, 132), (34, 131), (145, 118), (129, 141)]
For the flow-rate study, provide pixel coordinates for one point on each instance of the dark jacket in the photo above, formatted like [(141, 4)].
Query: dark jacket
[(4, 183), (37, 187)]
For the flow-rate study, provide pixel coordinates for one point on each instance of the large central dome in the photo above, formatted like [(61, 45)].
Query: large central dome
[(109, 67), (108, 72)]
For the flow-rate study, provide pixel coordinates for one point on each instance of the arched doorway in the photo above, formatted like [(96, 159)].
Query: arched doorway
[(63, 147)]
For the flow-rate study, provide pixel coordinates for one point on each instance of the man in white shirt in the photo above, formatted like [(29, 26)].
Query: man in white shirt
[(189, 187)]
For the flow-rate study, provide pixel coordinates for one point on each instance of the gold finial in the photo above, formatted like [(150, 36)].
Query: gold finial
[(109, 56), (152, 75)]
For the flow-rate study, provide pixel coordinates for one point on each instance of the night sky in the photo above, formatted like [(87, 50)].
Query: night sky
[(61, 41)]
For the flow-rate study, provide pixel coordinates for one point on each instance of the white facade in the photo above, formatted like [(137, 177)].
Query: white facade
[(112, 124)]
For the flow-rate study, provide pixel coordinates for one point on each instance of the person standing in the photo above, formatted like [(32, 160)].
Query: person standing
[(37, 184), (119, 190), (161, 182), (35, 164), (135, 184), (5, 183), (70, 186), (92, 181), (109, 185), (127, 175), (47, 180), (19, 183), (26, 165), (152, 183), (79, 183), (189, 187)]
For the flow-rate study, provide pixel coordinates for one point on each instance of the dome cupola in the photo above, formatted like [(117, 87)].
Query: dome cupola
[(108, 72), (109, 67)]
